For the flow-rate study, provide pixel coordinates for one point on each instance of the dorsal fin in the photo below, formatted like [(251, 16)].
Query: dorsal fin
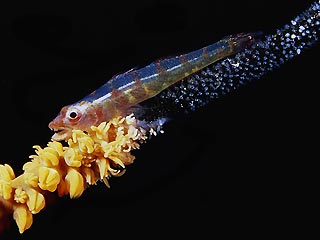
[(130, 70)]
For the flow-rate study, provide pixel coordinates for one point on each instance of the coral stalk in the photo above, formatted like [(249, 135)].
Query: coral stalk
[(89, 157)]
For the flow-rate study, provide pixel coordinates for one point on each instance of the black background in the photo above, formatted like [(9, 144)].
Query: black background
[(240, 166)]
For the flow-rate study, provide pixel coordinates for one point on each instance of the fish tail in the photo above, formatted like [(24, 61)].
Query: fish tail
[(243, 40)]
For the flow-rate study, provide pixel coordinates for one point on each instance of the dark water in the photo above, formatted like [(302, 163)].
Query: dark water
[(242, 165)]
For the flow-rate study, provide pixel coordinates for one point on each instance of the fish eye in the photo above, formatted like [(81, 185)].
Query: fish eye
[(73, 114)]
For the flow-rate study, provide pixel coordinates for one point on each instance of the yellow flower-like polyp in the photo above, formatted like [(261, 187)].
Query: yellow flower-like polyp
[(68, 170)]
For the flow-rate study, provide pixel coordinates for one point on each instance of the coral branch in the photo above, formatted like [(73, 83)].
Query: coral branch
[(68, 170)]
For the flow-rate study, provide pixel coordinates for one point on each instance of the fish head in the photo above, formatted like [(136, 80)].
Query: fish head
[(79, 116)]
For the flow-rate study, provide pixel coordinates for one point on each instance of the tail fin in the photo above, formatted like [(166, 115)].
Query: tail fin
[(244, 40)]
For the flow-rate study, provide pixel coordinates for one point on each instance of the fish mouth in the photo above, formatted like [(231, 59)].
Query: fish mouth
[(61, 134)]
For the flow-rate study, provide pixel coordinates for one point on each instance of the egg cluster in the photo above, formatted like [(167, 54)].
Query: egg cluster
[(264, 56)]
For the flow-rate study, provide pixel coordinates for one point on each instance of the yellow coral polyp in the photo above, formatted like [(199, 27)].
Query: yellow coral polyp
[(49, 179), (6, 173), (68, 170), (89, 176), (5, 190), (85, 142), (103, 168), (73, 157), (23, 217), (35, 201), (50, 156), (101, 131), (20, 196), (31, 179), (74, 183)]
